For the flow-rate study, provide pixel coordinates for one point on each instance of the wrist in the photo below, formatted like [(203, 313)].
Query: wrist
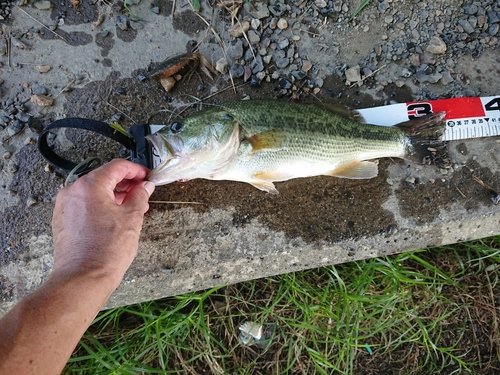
[(105, 279)]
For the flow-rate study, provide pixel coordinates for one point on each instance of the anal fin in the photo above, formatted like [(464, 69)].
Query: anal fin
[(264, 185), (358, 170)]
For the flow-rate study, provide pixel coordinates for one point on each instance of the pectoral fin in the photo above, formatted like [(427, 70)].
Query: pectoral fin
[(268, 140), (358, 170)]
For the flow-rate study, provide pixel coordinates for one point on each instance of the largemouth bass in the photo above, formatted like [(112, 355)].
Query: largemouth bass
[(261, 142)]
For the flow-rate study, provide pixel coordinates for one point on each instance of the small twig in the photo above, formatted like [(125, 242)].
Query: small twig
[(64, 88), (480, 182), (100, 19), (460, 191), (310, 32), (476, 341), (72, 173), (4, 141), (31, 64), (369, 75), (119, 110), (9, 47), (174, 202), (325, 24), (34, 19), (221, 44), (173, 10), (495, 320)]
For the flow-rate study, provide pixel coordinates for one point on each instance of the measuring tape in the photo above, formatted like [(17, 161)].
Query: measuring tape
[(465, 117)]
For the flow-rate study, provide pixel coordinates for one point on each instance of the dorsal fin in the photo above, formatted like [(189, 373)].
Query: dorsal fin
[(344, 111)]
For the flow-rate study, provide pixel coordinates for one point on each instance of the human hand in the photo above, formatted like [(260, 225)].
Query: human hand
[(97, 221)]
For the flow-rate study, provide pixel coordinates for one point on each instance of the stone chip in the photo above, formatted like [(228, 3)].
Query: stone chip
[(353, 74), (436, 46), (42, 100)]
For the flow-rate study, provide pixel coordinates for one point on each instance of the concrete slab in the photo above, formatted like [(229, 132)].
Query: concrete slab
[(237, 232)]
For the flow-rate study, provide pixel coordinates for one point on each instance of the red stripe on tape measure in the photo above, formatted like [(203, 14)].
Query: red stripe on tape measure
[(454, 108)]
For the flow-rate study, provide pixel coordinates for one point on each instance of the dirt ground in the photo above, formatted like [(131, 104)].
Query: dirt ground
[(103, 72)]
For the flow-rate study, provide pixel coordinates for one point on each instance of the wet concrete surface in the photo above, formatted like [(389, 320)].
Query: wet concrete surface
[(233, 232)]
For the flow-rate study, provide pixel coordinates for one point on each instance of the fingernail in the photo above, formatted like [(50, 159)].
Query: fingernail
[(149, 186)]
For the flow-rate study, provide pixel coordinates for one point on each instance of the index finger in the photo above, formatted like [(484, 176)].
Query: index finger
[(118, 170)]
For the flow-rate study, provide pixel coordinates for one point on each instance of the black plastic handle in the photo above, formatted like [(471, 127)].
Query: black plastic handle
[(140, 151)]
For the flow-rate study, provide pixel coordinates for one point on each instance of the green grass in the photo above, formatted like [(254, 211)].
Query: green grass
[(420, 312), (360, 7)]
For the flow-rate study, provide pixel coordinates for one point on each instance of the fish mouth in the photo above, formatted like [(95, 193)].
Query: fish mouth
[(167, 150)]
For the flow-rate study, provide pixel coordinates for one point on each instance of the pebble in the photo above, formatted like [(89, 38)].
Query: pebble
[(237, 70), (493, 29), (283, 44), (353, 74), (277, 9), (256, 9), (467, 27), (122, 22), (15, 127), (235, 49), (285, 83), (436, 46), (306, 65), (255, 23), (247, 73), (31, 201), (254, 81), (39, 90), (320, 3), (23, 116), (253, 37), (43, 5), (42, 68), (42, 100), (238, 29), (282, 24), (282, 62), (298, 74), (447, 78), (257, 64), (136, 25), (222, 65), (383, 6)]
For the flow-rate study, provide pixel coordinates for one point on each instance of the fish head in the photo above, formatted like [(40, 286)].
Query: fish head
[(199, 146)]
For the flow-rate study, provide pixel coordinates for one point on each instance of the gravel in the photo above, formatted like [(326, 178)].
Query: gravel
[(425, 38)]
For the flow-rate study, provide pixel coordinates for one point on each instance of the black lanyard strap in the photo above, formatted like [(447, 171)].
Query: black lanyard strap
[(83, 124)]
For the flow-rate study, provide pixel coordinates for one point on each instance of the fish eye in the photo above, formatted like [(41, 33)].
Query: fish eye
[(176, 127)]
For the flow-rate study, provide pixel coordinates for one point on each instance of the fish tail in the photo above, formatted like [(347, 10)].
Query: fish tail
[(424, 143)]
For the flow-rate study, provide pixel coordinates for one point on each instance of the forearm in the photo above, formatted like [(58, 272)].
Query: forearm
[(39, 334)]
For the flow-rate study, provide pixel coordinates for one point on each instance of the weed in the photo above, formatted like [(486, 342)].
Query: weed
[(420, 312)]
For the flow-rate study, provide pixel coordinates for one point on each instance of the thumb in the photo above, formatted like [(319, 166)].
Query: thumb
[(137, 198)]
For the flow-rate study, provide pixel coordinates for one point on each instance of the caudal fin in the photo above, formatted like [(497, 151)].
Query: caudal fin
[(424, 138)]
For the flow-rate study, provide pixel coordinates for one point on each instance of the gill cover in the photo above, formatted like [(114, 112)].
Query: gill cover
[(199, 147)]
